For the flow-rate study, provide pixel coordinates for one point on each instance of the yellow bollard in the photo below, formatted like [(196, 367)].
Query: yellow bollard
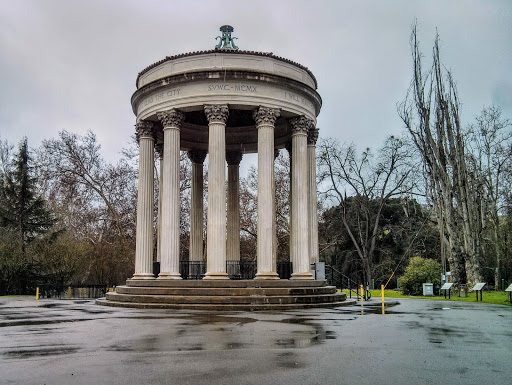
[(69, 292), (382, 294), (362, 293), (37, 294)]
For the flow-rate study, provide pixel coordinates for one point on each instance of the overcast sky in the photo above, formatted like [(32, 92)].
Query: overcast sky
[(72, 65)]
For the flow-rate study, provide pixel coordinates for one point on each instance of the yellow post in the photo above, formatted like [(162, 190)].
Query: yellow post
[(37, 294), (362, 293), (69, 292), (382, 294)]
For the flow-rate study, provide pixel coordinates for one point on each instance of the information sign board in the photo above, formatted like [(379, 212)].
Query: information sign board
[(478, 286), (509, 288), (447, 286)]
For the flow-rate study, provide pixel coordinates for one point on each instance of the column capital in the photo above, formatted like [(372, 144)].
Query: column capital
[(233, 158), (266, 116), (171, 118), (312, 136), (301, 125), (216, 113), (144, 129), (159, 148), (197, 156)]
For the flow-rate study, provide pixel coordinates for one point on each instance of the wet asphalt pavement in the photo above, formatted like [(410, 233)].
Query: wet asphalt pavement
[(415, 342)]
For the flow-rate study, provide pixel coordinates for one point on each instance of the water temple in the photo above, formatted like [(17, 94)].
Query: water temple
[(225, 103)]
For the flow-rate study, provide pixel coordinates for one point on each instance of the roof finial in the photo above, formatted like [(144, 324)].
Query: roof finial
[(226, 41)]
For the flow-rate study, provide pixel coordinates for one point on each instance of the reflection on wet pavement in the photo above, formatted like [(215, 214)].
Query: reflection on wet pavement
[(56, 339), (140, 331)]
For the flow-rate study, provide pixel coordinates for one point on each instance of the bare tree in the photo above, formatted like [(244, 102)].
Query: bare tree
[(74, 167), (249, 213), (431, 114), (490, 159), (361, 185)]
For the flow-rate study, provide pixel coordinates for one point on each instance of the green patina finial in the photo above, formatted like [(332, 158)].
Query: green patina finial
[(226, 41)]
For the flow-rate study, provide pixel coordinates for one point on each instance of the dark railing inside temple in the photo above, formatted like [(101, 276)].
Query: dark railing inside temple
[(234, 269)]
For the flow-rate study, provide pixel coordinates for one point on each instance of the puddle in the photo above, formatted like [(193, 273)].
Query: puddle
[(48, 305), (371, 309), (301, 321), (203, 319), (43, 322), (27, 353)]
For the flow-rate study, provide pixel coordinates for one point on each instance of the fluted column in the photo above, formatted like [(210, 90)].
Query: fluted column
[(233, 226), (159, 148), (301, 268), (196, 205), (290, 240), (312, 201), (217, 116), (274, 215), (265, 119), (144, 234), (170, 239)]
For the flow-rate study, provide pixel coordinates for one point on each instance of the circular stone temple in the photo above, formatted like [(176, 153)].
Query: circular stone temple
[(224, 103)]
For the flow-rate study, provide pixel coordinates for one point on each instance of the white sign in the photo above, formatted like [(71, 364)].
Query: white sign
[(447, 286), (478, 286)]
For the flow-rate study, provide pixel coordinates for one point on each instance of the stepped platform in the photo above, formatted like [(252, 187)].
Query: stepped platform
[(225, 295)]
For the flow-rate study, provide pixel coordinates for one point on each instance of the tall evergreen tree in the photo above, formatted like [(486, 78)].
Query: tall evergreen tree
[(21, 209)]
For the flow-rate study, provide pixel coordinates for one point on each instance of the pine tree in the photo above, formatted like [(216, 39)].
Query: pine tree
[(22, 210)]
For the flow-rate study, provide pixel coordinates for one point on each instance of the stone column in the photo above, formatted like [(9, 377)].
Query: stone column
[(217, 116), (170, 239), (144, 234), (233, 227), (301, 268), (312, 199), (274, 215), (196, 205), (265, 120), (159, 148), (290, 201)]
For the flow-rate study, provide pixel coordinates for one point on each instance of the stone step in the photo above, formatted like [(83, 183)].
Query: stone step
[(224, 307), (246, 300), (226, 283), (225, 291)]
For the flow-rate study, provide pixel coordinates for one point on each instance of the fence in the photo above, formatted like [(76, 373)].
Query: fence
[(72, 292), (341, 281), (234, 269)]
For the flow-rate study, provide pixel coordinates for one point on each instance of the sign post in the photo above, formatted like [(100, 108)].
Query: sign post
[(447, 287), (478, 288)]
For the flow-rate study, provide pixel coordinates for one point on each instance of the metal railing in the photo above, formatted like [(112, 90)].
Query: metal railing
[(234, 269), (341, 281)]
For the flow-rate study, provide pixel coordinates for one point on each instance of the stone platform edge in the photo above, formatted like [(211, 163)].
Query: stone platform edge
[(225, 283), (225, 307)]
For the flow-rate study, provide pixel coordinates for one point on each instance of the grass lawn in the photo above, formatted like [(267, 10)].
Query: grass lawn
[(496, 297)]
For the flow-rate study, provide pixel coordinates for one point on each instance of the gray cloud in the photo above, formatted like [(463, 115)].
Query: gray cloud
[(72, 65)]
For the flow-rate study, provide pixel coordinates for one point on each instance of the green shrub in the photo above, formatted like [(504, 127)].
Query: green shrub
[(419, 271)]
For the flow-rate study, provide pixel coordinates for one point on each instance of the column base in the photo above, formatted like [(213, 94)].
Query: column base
[(304, 276), (143, 276), (267, 275), (208, 276), (169, 276)]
